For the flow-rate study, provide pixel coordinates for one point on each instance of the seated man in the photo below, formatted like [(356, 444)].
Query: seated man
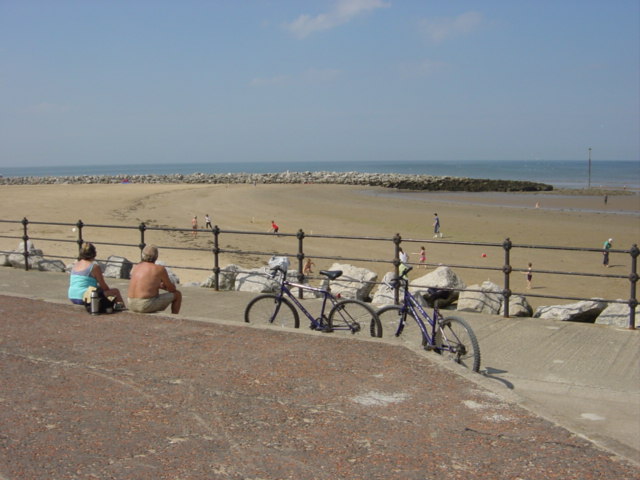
[(147, 279)]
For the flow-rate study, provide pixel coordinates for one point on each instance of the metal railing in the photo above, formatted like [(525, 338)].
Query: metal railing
[(395, 243)]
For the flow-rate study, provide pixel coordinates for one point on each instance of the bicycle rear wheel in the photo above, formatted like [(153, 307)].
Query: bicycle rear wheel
[(390, 317), (354, 317), (272, 310), (455, 339)]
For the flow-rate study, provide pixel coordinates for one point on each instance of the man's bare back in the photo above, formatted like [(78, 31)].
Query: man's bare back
[(147, 279)]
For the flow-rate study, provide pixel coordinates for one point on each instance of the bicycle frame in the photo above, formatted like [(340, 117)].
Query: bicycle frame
[(410, 304), (327, 297)]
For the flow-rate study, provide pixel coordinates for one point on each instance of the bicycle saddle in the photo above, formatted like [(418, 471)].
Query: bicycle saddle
[(331, 274)]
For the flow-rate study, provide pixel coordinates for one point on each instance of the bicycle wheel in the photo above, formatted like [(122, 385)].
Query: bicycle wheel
[(271, 309), (354, 317), (390, 317), (455, 338)]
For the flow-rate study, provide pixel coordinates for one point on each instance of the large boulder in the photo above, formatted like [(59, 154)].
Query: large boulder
[(442, 278), (30, 247), (617, 315), (485, 298), (585, 311), (117, 267), (16, 259), (45, 265), (257, 280), (518, 307), (354, 282), (384, 294), (226, 278)]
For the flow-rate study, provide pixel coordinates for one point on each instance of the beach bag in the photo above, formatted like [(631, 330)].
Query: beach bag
[(105, 305)]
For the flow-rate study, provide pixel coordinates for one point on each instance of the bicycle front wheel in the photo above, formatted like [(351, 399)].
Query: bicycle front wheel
[(355, 317), (272, 310), (455, 339), (391, 317)]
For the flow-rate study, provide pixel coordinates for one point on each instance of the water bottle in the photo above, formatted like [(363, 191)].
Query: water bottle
[(95, 303)]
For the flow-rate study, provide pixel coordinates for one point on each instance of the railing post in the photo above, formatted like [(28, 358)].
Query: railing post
[(300, 256), (397, 240), (506, 269), (79, 241), (142, 227), (25, 242), (633, 278), (216, 257)]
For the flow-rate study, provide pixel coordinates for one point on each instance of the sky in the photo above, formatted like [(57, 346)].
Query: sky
[(159, 81)]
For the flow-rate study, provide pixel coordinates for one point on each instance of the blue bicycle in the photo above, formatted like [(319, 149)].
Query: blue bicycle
[(344, 315), (450, 336)]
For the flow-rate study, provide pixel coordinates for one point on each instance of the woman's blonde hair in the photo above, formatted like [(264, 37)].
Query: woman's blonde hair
[(87, 251)]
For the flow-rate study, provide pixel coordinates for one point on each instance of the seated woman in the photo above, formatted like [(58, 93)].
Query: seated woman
[(86, 273)]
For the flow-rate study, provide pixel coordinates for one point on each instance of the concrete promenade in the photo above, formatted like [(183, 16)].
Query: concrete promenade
[(203, 395)]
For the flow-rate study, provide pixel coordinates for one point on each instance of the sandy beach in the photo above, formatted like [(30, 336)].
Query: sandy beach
[(549, 219)]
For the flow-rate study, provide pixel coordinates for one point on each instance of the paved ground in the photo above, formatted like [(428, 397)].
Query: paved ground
[(202, 395)]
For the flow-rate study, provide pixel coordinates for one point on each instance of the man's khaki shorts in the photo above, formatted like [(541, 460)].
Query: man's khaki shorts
[(150, 305)]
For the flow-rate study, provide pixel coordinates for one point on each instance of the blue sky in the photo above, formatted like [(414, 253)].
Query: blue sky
[(157, 81)]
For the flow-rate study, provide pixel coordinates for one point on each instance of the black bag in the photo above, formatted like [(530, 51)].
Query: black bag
[(104, 302)]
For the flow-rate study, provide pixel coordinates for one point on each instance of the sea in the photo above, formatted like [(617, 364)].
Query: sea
[(569, 174)]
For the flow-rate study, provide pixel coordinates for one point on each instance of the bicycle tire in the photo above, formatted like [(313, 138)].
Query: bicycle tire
[(354, 317), (272, 310), (456, 339), (390, 317)]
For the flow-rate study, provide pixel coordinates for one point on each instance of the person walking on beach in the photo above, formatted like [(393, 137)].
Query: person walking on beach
[(207, 221), (436, 226), (274, 227), (529, 274), (194, 225), (147, 279), (605, 252)]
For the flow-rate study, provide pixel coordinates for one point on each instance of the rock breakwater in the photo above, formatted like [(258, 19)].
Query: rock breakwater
[(387, 180)]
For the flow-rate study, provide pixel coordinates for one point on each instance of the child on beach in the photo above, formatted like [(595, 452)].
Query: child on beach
[(529, 275), (307, 267), (423, 256), (274, 227)]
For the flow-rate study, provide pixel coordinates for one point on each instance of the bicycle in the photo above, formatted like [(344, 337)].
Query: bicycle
[(451, 336), (345, 315)]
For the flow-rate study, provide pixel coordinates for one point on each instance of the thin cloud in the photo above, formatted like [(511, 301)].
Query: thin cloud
[(441, 29), (424, 68), (316, 75), (309, 76), (342, 12), (269, 81)]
